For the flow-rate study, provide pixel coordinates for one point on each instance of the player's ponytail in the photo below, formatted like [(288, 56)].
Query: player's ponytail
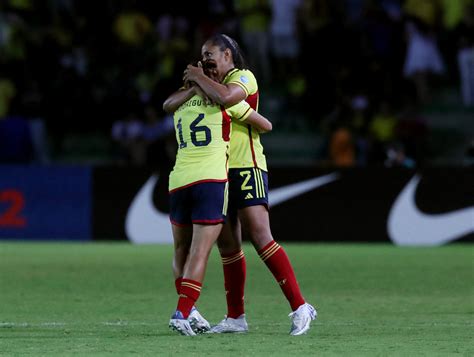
[(223, 42)]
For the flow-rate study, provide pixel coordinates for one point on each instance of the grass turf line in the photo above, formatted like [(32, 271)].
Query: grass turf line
[(116, 298)]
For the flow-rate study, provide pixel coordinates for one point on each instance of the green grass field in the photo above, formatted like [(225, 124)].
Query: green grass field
[(116, 299)]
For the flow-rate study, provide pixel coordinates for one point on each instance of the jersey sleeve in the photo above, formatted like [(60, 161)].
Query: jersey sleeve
[(244, 79), (240, 111)]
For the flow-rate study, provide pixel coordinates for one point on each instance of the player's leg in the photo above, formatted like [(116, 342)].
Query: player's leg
[(230, 239), (180, 215), (182, 229), (255, 221), (181, 235), (234, 267), (256, 224), (208, 202), (182, 241), (203, 239)]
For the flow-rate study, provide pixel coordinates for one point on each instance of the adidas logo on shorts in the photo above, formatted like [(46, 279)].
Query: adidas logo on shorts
[(249, 196)]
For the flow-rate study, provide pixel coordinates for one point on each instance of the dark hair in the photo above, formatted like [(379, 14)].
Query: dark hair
[(223, 42)]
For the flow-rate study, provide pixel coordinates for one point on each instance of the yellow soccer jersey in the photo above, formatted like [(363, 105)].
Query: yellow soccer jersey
[(246, 150), (203, 134)]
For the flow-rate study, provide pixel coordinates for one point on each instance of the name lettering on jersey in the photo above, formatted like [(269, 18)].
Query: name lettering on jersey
[(193, 103)]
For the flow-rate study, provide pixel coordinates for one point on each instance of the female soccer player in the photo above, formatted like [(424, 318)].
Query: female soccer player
[(198, 190), (248, 190)]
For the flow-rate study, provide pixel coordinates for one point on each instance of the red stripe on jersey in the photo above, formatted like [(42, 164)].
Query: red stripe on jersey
[(251, 146), (195, 183), (253, 100), (225, 124)]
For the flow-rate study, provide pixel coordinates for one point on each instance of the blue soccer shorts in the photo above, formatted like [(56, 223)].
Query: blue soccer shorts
[(247, 187), (202, 203)]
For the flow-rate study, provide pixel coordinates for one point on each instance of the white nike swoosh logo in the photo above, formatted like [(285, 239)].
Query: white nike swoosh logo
[(407, 225), (285, 193), (144, 224)]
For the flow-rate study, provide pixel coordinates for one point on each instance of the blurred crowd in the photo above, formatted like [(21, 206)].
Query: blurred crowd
[(359, 71)]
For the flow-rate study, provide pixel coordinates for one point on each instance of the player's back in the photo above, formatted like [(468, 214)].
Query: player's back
[(202, 134)]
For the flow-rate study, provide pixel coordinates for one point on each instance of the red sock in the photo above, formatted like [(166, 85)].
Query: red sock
[(188, 294), (177, 283), (234, 281), (277, 261)]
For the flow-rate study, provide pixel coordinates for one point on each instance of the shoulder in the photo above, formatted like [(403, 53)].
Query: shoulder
[(244, 78), (241, 75)]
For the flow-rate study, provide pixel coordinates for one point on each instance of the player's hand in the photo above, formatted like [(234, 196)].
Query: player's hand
[(186, 82), (192, 73), (212, 74)]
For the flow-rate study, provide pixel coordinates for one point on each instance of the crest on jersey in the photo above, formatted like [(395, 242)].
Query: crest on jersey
[(244, 79)]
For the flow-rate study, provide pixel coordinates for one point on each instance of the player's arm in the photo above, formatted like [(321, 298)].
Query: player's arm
[(223, 94), (175, 100), (259, 122), (244, 113)]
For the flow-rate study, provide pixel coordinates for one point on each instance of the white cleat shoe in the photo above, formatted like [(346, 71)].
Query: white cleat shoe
[(230, 325), (301, 319), (198, 323), (180, 324)]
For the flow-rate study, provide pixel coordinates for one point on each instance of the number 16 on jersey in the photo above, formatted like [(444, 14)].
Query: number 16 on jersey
[(194, 130)]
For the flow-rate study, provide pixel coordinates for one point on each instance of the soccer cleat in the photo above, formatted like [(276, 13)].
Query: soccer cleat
[(230, 325), (198, 323), (180, 324), (301, 319)]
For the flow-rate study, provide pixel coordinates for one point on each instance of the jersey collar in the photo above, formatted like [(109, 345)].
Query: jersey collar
[(229, 72)]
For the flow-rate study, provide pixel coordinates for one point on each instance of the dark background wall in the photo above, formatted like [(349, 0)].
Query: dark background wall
[(96, 203)]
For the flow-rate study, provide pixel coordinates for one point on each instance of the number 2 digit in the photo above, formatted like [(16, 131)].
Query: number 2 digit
[(11, 217), (247, 175)]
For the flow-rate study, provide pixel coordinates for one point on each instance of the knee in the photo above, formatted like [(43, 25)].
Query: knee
[(260, 236), (228, 246)]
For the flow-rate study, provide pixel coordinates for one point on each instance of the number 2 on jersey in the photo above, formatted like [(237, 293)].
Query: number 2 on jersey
[(246, 175), (195, 129)]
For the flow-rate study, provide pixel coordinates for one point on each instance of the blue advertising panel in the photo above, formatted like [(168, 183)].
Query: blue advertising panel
[(45, 203)]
